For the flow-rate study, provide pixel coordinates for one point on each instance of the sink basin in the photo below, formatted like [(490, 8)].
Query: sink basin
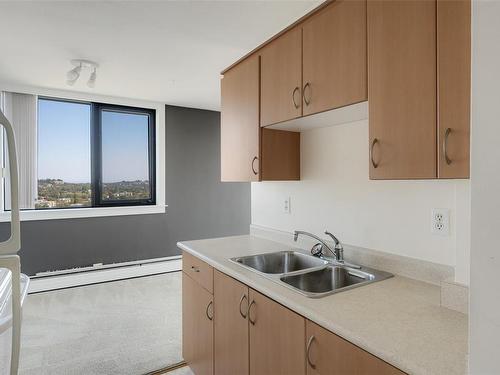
[(331, 279), (309, 275), (282, 262)]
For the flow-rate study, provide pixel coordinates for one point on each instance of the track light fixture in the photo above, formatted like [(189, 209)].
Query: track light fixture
[(73, 75)]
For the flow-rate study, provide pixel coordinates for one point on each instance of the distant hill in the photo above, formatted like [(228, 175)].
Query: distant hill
[(56, 193)]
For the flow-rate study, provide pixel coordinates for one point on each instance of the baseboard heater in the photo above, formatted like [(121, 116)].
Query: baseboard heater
[(99, 273)]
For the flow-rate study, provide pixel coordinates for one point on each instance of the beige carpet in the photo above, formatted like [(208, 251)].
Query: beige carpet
[(122, 327)]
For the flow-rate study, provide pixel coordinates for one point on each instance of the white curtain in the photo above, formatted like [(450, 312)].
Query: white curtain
[(21, 110)]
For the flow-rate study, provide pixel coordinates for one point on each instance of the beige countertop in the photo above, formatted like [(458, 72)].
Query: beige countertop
[(399, 320)]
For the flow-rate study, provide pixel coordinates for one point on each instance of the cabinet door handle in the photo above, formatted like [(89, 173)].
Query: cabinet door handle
[(248, 312), (306, 100), (253, 162), (374, 142), (208, 308), (445, 146), (244, 297), (295, 104), (308, 350), (195, 269)]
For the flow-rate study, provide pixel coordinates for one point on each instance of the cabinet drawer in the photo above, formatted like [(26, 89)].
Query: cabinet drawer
[(198, 270)]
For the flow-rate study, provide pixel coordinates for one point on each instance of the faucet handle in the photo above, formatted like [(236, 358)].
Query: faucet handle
[(335, 239)]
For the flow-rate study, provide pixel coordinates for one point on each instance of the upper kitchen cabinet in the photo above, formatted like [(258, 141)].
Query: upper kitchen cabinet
[(402, 89), (334, 57), (410, 59), (249, 153), (240, 130), (419, 88), (281, 78), (453, 49), (317, 65)]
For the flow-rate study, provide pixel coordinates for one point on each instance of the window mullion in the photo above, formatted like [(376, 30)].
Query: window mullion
[(95, 153), (152, 157)]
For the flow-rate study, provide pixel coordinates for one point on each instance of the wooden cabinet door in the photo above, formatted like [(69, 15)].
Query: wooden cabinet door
[(240, 122), (402, 89), (281, 78), (276, 338), (334, 57), (231, 326), (197, 327), (454, 85), (329, 354)]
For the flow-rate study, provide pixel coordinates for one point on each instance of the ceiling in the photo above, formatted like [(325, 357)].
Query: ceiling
[(166, 51)]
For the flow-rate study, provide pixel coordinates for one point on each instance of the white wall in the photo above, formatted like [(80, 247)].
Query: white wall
[(335, 193), (484, 314)]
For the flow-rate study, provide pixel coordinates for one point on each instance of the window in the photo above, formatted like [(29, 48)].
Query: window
[(64, 161), (124, 166), (94, 155)]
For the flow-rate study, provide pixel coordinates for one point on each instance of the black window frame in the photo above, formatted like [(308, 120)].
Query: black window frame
[(96, 155), (96, 109)]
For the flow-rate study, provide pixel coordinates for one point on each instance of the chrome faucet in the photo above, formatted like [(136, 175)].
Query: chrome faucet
[(338, 250)]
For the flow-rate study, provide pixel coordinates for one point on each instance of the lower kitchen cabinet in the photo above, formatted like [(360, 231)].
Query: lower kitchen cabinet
[(239, 331), (231, 326), (329, 354), (197, 327), (277, 337)]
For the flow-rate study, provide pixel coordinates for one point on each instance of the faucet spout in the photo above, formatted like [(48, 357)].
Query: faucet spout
[(338, 249), (301, 232)]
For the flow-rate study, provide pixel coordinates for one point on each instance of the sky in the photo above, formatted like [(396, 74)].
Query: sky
[(64, 143)]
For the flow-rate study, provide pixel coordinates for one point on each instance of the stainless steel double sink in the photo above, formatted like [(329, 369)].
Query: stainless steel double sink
[(309, 275)]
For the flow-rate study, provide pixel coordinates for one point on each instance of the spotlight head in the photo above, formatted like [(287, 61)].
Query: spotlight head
[(91, 81), (73, 75)]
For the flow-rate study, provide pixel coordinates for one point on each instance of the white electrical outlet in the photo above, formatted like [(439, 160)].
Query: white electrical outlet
[(286, 206), (440, 221)]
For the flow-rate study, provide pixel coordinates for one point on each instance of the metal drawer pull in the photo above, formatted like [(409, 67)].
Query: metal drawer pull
[(244, 315), (253, 162), (248, 312), (195, 269), (295, 90), (206, 311), (308, 349), (374, 142), (445, 145), (306, 100)]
